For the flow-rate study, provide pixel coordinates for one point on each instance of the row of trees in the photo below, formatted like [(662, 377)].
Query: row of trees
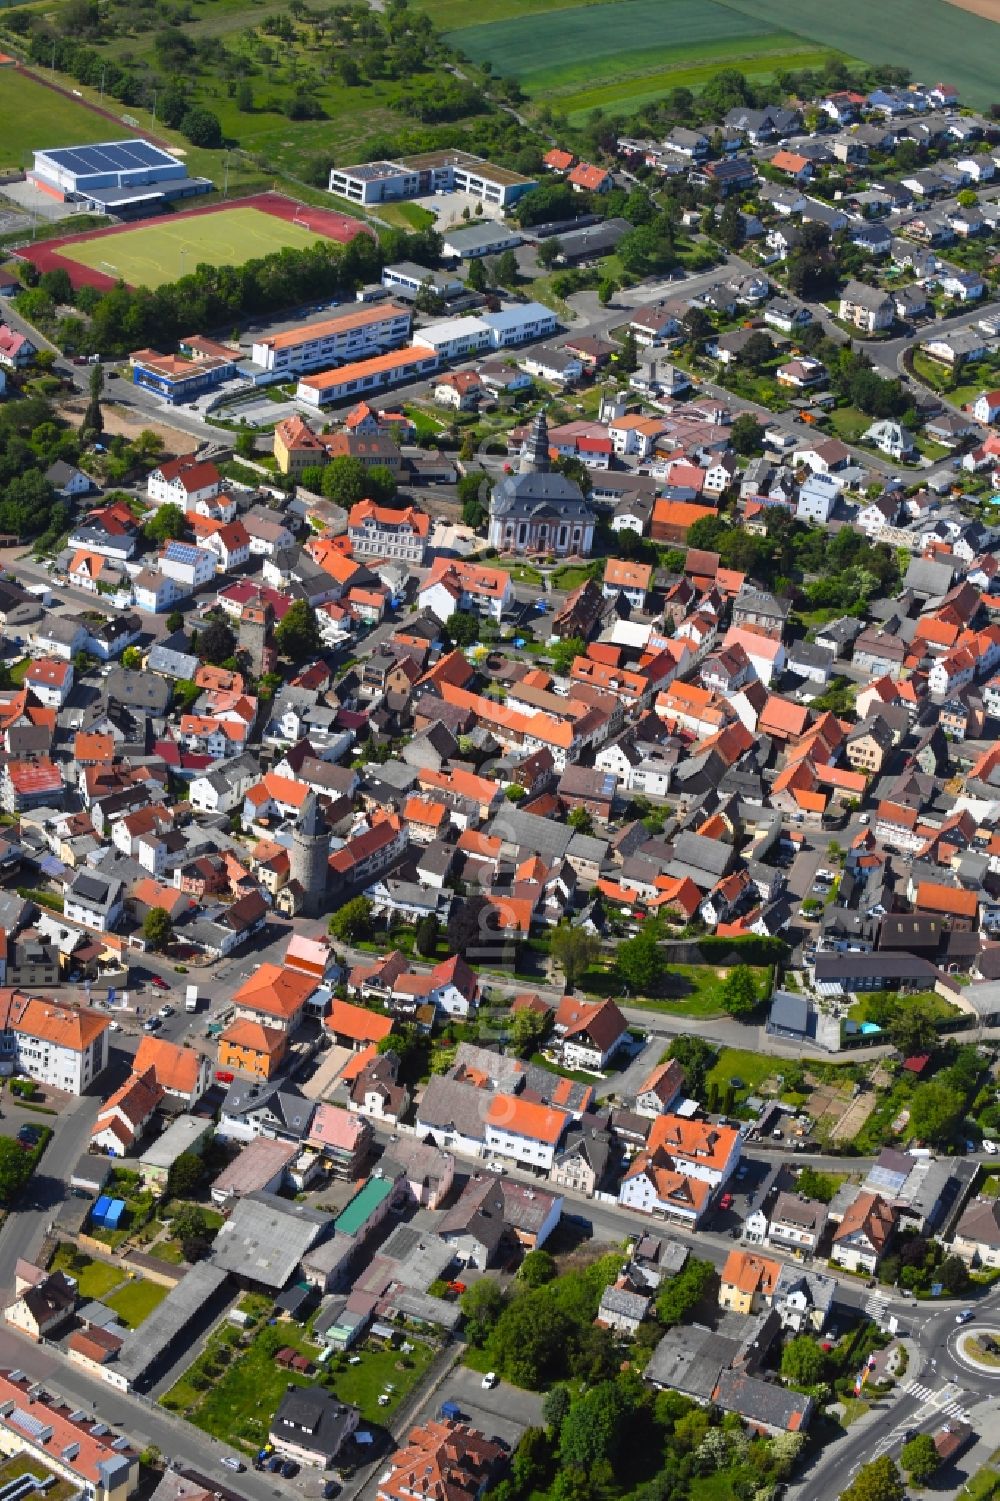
[(217, 296)]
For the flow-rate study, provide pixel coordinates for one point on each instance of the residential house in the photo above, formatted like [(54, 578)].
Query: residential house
[(863, 1235)]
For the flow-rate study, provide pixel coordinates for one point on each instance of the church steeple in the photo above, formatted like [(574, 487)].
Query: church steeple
[(535, 453)]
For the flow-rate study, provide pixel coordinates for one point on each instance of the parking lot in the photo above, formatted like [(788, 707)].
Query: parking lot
[(505, 1412)]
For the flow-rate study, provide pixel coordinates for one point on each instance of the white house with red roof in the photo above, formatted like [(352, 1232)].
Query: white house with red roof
[(585, 178), (50, 680), (231, 545), (454, 585), (16, 350), (53, 1437), (986, 407), (589, 1033), (125, 1115), (183, 482), (63, 1046), (523, 1132)]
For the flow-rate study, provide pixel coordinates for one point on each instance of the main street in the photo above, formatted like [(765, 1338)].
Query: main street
[(938, 1386)]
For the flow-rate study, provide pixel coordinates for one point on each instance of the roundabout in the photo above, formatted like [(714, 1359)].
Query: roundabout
[(977, 1350)]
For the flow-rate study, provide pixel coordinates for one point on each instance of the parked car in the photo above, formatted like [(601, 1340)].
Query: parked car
[(232, 1463), (289, 1468), (166, 1011), (152, 1024), (489, 1381), (159, 982)]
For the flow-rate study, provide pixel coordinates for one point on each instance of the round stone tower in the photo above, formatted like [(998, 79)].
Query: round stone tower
[(310, 855)]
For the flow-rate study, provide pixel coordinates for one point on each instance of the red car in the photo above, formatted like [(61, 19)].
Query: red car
[(726, 1202), (224, 1077), (159, 982)]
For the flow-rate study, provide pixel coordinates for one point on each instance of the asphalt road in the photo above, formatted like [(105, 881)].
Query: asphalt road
[(24, 1229), (937, 1387), (140, 1420)]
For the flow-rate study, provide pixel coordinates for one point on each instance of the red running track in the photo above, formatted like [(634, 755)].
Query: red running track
[(45, 255)]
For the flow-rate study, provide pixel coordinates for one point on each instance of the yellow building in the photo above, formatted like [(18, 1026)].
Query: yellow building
[(296, 446), (248, 1047), (747, 1282)]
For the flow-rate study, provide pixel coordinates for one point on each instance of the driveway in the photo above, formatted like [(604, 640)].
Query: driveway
[(625, 1084)]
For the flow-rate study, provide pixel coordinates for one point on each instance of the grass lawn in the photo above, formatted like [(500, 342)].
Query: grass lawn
[(32, 116), (854, 1409), (240, 1401), (692, 990), (848, 423), (19, 671), (53, 1487), (962, 45), (137, 1301), (927, 1002), (571, 575), (94, 1278), (982, 1486), (164, 252), (521, 573), (451, 13), (739, 1063), (990, 1187), (406, 215), (717, 1487), (932, 372), (361, 1384)]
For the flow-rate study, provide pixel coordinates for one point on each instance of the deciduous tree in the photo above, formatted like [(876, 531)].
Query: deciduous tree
[(574, 950), (353, 921), (640, 963), (157, 928)]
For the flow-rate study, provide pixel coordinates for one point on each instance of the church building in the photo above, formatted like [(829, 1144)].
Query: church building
[(538, 510)]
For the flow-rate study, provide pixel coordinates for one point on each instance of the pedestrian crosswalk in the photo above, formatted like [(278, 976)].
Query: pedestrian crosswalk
[(943, 1401), (876, 1307)]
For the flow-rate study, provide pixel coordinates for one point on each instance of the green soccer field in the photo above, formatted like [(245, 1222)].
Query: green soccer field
[(173, 247)]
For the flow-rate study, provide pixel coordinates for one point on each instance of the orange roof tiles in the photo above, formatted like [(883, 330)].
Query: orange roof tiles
[(176, 1069), (749, 1273), (507, 1112), (357, 1023), (950, 901), (72, 1027), (274, 991), (254, 1037)]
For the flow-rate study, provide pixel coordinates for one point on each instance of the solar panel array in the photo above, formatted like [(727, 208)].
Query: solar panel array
[(110, 156)]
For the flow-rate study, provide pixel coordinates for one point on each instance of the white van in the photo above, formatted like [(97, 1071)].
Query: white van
[(991, 1147)]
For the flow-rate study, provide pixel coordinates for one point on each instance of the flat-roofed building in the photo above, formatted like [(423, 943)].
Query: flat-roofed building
[(429, 172), (365, 376), (358, 331)]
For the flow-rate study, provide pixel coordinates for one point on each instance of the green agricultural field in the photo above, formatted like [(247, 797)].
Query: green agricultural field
[(171, 247), (770, 55), (33, 117), (556, 49), (926, 36), (451, 15)]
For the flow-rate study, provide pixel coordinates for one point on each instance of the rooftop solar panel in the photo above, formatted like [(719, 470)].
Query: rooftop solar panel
[(110, 156)]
